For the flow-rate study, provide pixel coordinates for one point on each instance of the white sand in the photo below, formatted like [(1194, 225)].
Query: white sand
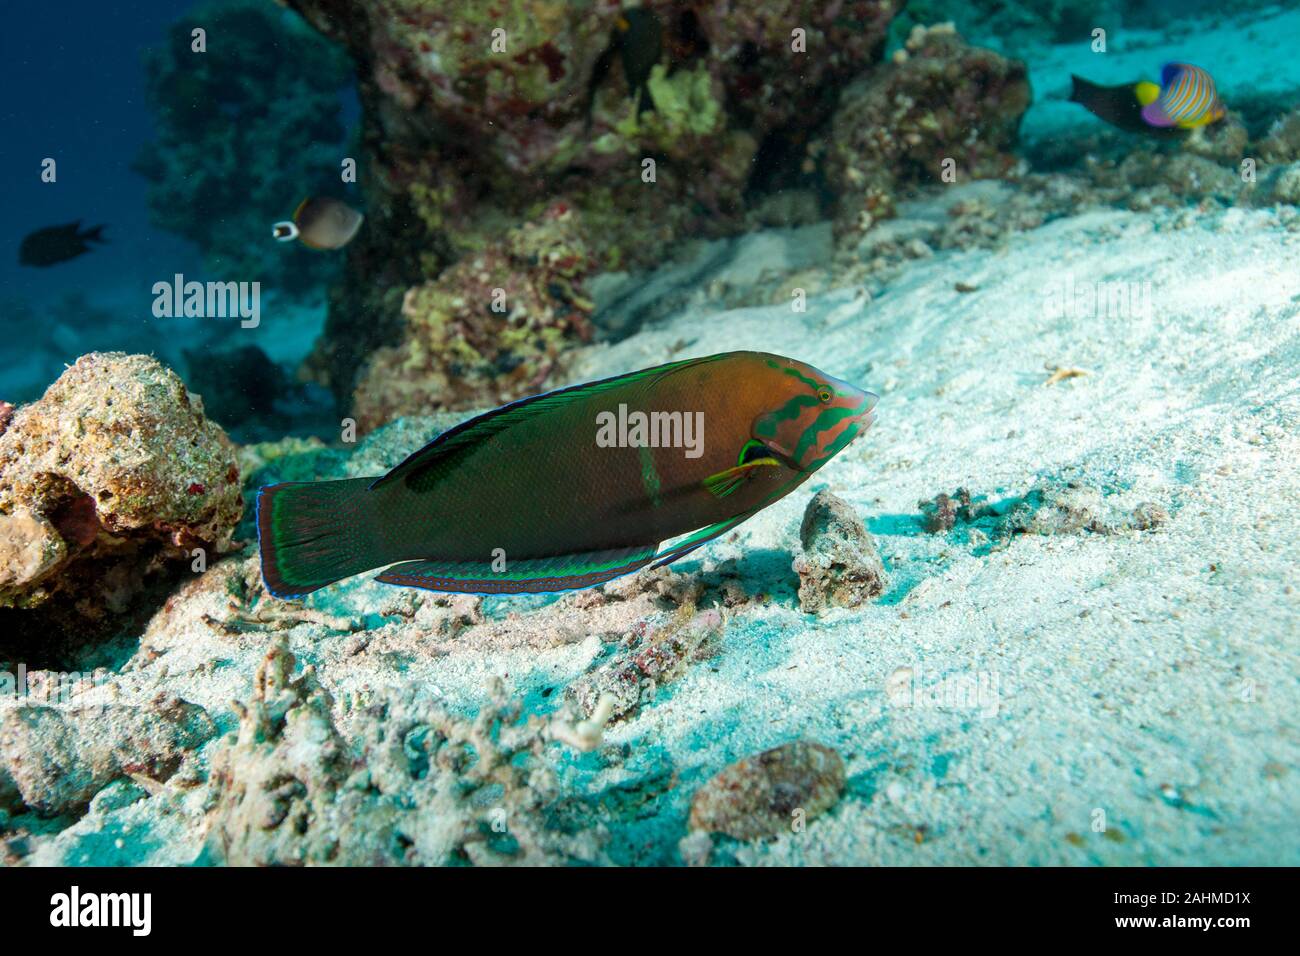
[(1150, 675)]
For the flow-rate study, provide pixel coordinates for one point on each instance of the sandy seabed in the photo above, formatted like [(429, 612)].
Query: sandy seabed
[(1107, 694)]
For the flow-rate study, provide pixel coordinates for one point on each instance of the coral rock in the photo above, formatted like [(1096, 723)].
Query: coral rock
[(764, 795), (944, 100), (57, 759), (113, 472), (839, 565), (491, 329)]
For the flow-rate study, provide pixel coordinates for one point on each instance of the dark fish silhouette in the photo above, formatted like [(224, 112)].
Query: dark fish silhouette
[(637, 40), (55, 244)]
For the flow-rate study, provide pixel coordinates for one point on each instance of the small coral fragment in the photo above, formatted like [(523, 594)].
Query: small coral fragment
[(1059, 373), (644, 661), (838, 565)]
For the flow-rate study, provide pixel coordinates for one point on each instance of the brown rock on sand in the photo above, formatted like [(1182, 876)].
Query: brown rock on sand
[(762, 795)]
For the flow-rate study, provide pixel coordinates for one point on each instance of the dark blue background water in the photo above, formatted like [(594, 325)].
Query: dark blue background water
[(74, 91)]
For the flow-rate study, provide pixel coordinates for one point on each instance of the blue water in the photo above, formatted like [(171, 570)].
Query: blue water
[(75, 91)]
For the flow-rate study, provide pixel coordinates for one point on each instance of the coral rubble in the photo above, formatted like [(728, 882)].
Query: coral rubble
[(838, 565), (770, 792), (645, 660), (419, 785)]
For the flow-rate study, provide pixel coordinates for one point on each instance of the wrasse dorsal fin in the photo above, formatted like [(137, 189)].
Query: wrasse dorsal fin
[(469, 433)]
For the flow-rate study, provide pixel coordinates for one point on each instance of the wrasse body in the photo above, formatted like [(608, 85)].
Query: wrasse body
[(557, 492)]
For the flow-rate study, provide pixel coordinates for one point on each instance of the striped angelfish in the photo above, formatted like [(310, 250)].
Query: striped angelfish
[(1186, 98)]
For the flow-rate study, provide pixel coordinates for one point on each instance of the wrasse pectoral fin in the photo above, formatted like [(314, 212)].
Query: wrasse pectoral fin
[(726, 482), (563, 572)]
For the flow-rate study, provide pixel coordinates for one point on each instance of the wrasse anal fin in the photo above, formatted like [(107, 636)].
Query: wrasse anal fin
[(529, 576)]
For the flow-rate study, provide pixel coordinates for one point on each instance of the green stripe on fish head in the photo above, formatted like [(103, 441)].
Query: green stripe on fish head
[(814, 417)]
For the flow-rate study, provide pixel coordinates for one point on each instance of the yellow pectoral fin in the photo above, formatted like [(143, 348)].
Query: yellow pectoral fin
[(1147, 92), (726, 482)]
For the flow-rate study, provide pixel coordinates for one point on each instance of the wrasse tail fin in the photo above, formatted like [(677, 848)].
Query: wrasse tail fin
[(313, 533), (529, 576)]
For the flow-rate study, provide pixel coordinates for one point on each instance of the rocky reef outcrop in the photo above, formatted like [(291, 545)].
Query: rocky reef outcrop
[(112, 482), (490, 329), (941, 101), (651, 124)]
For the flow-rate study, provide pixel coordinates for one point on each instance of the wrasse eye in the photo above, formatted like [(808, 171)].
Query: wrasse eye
[(824, 394)]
